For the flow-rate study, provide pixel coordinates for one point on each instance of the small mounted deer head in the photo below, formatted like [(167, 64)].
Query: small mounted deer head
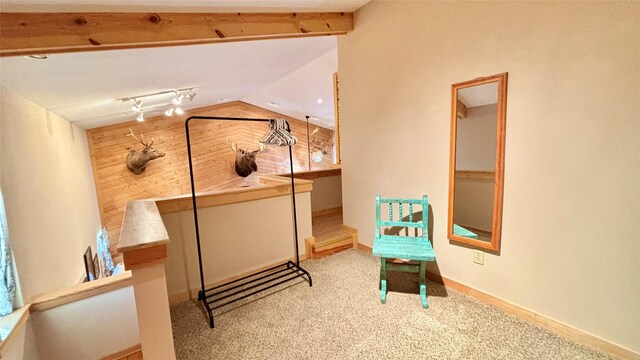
[(246, 160), (319, 148), (137, 159)]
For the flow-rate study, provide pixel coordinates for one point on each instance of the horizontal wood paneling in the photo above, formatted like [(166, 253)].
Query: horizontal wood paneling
[(169, 175)]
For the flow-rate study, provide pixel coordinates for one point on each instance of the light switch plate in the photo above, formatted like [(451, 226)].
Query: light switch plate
[(478, 257)]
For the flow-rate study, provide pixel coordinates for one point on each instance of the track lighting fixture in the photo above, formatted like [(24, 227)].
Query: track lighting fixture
[(177, 97)]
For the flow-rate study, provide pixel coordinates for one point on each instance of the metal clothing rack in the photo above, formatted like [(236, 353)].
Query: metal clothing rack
[(219, 296)]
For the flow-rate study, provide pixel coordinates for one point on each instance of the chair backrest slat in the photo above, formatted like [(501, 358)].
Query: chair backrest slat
[(410, 212), (417, 225), (422, 224)]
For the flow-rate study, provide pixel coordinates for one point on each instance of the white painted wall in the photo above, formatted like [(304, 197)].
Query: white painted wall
[(91, 328), (476, 139), (473, 203), (15, 350), (571, 200), (49, 194), (235, 239), (476, 151), (327, 193)]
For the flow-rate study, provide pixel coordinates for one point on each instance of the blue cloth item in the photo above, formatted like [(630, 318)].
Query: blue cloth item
[(7, 278), (104, 255)]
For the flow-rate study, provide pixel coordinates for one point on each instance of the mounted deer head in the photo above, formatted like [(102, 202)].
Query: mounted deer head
[(137, 160), (246, 160), (319, 148)]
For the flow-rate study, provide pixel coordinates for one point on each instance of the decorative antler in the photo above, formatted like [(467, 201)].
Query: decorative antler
[(245, 162), (319, 145), (233, 146), (137, 159), (141, 140), (262, 148)]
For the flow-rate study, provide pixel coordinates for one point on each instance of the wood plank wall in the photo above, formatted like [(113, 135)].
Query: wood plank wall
[(169, 175)]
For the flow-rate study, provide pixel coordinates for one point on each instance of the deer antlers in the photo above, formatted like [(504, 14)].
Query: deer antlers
[(147, 145), (245, 162), (319, 145), (262, 148)]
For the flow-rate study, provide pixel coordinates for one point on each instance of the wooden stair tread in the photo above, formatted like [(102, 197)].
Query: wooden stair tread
[(331, 237)]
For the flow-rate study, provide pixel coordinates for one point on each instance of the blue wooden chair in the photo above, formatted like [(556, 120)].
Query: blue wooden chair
[(407, 247)]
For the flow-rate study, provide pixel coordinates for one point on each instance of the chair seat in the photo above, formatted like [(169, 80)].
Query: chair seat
[(403, 247)]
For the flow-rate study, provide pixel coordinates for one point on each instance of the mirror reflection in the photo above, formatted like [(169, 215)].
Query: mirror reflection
[(476, 170), (475, 161)]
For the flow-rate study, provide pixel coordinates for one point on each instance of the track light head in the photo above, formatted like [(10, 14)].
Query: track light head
[(179, 111), (169, 112), (177, 99), (190, 95), (140, 117)]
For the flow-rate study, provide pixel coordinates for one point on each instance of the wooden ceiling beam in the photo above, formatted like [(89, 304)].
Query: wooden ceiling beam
[(461, 109), (48, 33)]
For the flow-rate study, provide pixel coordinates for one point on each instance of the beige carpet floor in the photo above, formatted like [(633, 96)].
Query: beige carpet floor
[(341, 317)]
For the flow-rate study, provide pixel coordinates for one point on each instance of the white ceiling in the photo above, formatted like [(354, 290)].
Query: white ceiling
[(85, 87), (220, 6), (480, 95)]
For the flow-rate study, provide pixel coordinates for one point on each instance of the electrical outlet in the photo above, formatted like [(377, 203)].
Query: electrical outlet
[(478, 257)]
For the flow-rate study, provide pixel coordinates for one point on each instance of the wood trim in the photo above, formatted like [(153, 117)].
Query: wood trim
[(309, 244), (145, 256), (94, 170), (81, 291), (354, 232), (336, 114), (475, 175), (327, 212), (496, 228), (554, 326), (22, 315), (314, 174), (48, 33), (461, 109), (124, 354)]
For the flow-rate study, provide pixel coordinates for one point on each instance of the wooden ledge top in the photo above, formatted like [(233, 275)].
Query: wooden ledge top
[(314, 174), (142, 226), (80, 291), (12, 323), (269, 186)]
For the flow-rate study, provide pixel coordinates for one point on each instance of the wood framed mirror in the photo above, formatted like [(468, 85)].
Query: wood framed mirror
[(476, 165)]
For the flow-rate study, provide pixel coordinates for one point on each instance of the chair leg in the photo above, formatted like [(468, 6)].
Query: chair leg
[(383, 280), (423, 285)]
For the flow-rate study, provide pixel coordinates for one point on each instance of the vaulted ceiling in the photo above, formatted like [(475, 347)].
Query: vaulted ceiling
[(291, 76), (85, 88)]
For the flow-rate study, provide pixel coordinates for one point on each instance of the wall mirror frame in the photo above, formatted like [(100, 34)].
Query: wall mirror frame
[(487, 239)]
